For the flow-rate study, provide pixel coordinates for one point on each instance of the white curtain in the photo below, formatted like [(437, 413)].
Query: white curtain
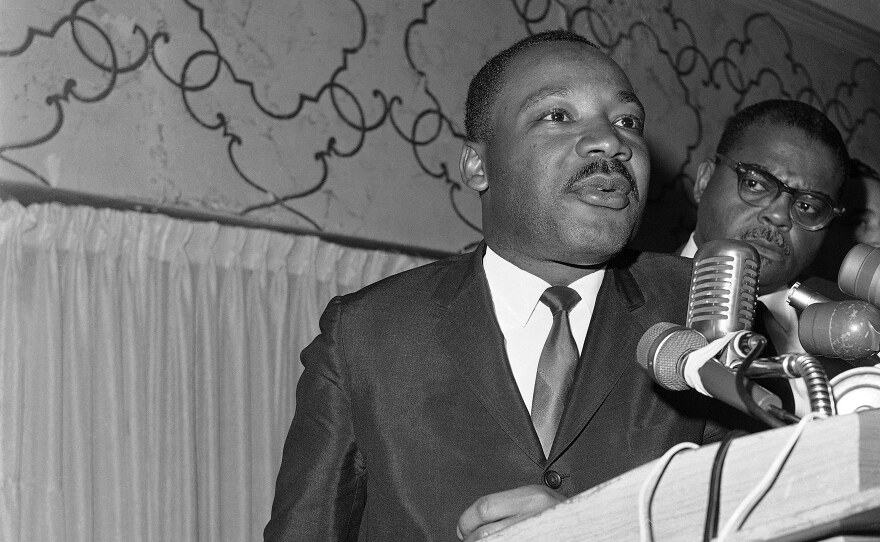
[(148, 367)]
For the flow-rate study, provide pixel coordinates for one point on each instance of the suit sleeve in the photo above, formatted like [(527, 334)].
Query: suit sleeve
[(321, 488)]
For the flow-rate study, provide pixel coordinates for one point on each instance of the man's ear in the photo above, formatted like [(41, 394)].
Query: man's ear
[(704, 172), (473, 171)]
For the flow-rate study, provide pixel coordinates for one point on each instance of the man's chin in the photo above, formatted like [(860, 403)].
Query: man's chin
[(616, 231), (601, 249)]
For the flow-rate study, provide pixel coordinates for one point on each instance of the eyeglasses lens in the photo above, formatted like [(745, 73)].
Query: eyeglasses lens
[(806, 209)]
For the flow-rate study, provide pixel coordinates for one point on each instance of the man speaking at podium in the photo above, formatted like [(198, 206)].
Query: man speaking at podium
[(470, 393)]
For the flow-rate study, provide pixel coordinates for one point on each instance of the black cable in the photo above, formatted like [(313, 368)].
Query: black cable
[(744, 395), (710, 527), (783, 414)]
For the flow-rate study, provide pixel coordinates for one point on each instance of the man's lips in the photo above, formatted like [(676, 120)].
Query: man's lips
[(604, 183), (769, 243), (603, 190), (767, 250)]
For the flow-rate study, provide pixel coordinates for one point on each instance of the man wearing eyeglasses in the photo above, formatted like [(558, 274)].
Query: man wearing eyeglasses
[(774, 182)]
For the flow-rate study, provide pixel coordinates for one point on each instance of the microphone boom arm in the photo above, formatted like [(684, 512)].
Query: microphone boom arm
[(803, 366)]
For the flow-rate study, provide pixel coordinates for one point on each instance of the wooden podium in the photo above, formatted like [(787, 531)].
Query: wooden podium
[(828, 489)]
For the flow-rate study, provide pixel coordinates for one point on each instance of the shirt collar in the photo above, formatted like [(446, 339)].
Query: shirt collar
[(785, 314), (519, 292), (690, 248)]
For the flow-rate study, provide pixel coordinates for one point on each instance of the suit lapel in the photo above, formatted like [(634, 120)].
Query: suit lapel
[(473, 341), (613, 332)]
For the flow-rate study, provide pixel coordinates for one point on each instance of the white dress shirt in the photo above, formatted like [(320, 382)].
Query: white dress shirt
[(525, 322)]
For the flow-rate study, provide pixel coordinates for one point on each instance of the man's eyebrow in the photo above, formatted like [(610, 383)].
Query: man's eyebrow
[(628, 96), (625, 96), (544, 93), (764, 171)]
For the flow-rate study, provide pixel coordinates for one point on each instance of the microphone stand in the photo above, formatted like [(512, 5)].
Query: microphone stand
[(803, 366), (773, 416)]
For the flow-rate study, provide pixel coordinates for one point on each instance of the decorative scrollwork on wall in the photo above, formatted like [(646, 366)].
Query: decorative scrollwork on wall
[(693, 77), (69, 89), (220, 122)]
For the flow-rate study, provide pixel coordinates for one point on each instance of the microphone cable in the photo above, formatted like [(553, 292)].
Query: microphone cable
[(748, 504), (649, 487), (710, 527)]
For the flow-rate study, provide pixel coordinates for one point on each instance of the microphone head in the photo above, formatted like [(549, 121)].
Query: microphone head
[(662, 350), (840, 329), (801, 297), (859, 274), (724, 288)]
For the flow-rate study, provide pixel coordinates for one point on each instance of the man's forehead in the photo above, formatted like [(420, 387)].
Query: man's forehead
[(547, 56), (547, 71)]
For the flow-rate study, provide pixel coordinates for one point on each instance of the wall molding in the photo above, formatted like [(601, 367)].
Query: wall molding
[(823, 23), (28, 193)]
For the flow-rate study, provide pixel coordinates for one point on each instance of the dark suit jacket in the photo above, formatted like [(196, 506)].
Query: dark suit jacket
[(407, 410)]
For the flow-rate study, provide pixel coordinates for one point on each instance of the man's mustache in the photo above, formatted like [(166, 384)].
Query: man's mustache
[(607, 167), (769, 234)]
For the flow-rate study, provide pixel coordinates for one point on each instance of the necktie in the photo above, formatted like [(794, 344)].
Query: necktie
[(555, 366)]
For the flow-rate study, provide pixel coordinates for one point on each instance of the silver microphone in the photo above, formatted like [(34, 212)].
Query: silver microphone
[(724, 290), (664, 352), (859, 274)]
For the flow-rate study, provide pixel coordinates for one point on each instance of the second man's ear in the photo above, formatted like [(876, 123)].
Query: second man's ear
[(472, 168), (704, 172)]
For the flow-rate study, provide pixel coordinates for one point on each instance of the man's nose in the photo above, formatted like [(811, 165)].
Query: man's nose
[(778, 212), (601, 139)]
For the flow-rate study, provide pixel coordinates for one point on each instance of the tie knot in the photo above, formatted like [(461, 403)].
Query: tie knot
[(560, 298)]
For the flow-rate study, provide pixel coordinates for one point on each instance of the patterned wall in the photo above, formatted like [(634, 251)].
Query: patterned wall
[(347, 115)]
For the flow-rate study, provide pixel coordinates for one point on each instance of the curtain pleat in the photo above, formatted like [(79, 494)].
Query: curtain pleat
[(148, 369)]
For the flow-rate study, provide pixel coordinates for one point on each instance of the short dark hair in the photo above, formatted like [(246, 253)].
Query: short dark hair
[(485, 86), (790, 113)]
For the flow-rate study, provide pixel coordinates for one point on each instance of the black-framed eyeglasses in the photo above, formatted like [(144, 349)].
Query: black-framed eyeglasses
[(809, 210)]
